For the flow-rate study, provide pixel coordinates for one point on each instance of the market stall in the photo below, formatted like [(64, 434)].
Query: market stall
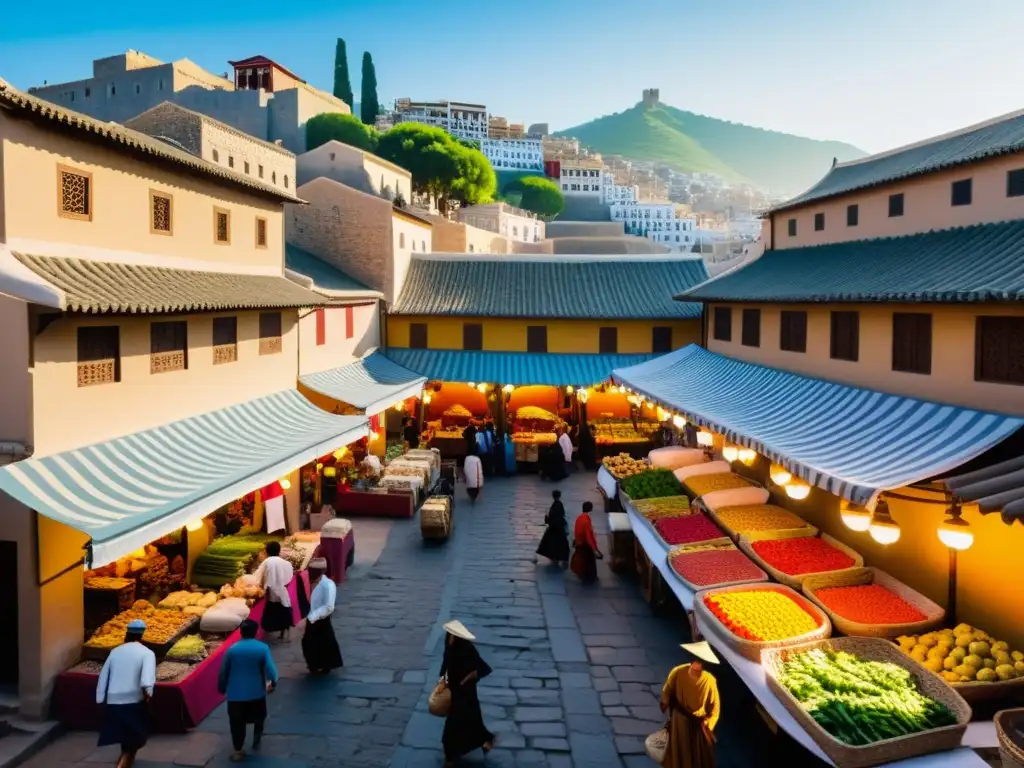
[(623, 423), (448, 408)]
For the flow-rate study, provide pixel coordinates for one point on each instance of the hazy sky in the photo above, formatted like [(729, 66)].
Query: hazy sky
[(875, 73)]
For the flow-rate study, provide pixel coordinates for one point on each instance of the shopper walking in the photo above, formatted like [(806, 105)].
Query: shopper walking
[(485, 447), (565, 443), (555, 543), (586, 554), (319, 645), (125, 688), (275, 574), (462, 668), (474, 471), (588, 447), (247, 675), (690, 697)]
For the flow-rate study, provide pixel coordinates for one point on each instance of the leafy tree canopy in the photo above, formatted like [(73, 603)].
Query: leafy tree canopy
[(369, 104), (539, 195), (342, 83), (334, 126)]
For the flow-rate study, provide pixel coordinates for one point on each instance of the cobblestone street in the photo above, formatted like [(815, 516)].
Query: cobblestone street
[(576, 674)]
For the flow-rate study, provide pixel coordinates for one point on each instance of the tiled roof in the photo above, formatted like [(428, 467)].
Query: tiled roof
[(518, 368), (1001, 136), (42, 111), (979, 263), (325, 276), (568, 287), (101, 286)]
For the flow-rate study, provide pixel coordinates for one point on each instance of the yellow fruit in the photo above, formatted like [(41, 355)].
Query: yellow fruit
[(951, 677), (929, 640), (962, 629), (973, 660), (950, 663), (966, 672), (1002, 657), (980, 635), (935, 665), (946, 633), (1019, 666), (907, 642), (999, 645), (920, 648), (919, 654), (1006, 672), (987, 676), (964, 639), (935, 653), (1017, 656), (958, 654), (989, 663), (980, 648)]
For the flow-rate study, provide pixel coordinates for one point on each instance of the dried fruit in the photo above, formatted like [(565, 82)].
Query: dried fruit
[(869, 604), (806, 554)]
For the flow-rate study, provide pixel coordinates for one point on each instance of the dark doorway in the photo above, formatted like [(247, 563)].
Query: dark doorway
[(9, 610)]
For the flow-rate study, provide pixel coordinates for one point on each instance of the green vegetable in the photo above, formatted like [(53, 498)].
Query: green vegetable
[(652, 484)]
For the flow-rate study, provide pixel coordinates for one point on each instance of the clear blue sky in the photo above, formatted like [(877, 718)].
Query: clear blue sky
[(875, 73)]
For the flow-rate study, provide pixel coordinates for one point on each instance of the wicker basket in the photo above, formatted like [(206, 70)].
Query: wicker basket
[(720, 540), (751, 649), (727, 545), (440, 701), (887, 750), (934, 613), (804, 530), (1011, 754), (1009, 691), (696, 486), (746, 543)]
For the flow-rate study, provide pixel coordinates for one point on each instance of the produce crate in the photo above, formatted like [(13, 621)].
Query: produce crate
[(804, 529), (723, 539), (751, 649), (934, 613), (101, 605), (1009, 720), (887, 750), (436, 519), (797, 581), (696, 486), (162, 649), (691, 549)]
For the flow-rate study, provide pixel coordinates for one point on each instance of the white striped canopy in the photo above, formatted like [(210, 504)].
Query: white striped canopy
[(126, 492), (851, 442), (371, 384)]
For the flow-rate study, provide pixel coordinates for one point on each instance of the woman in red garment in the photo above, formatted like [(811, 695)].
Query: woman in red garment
[(586, 555)]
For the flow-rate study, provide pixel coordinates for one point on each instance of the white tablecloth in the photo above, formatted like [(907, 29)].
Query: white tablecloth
[(607, 483), (657, 553)]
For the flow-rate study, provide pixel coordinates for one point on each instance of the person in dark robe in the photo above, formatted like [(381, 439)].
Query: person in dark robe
[(586, 553), (319, 645), (587, 448), (497, 450), (552, 463), (554, 545), (462, 668), (469, 436), (410, 433)]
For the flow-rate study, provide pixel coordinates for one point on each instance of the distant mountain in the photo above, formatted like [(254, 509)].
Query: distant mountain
[(693, 143)]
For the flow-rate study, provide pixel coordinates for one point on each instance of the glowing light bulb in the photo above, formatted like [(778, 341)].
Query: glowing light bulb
[(472, 385), (399, 406), (798, 489), (285, 483), (883, 528), (427, 398), (678, 422), (569, 390), (194, 525), (340, 453), (779, 474), (956, 532), (583, 395), (509, 388), (481, 388), (855, 518), (730, 453), (705, 439), (748, 456)]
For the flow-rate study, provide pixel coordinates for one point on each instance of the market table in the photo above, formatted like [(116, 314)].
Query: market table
[(176, 707), (609, 487)]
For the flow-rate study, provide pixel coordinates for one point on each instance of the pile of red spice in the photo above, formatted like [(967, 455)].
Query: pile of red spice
[(806, 554), (686, 530), (709, 567), (869, 604)]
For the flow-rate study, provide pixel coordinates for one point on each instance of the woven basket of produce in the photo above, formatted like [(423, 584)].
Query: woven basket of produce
[(624, 465), (688, 529), (697, 485), (667, 506), (890, 707), (651, 484), (707, 566), (759, 521), (790, 557), (1010, 732), (440, 701), (752, 617), (867, 602)]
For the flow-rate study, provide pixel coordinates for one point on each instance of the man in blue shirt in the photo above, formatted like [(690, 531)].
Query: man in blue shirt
[(247, 675)]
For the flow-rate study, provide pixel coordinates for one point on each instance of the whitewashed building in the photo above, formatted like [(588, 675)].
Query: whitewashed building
[(582, 176), (618, 194), (461, 120), (664, 223), (514, 223), (514, 154)]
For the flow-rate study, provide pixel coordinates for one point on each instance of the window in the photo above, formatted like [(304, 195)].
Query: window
[(417, 335), (273, 177), (74, 194), (793, 331), (852, 215), (113, 90), (608, 341), (401, 239), (960, 192), (350, 322), (536, 338), (723, 323), (221, 226), (138, 88), (286, 181), (321, 326), (750, 332), (225, 340), (999, 350), (896, 205), (216, 156), (912, 342), (819, 222), (792, 227), (661, 339), (246, 166), (99, 355), (88, 92), (414, 245), (168, 346), (845, 336), (259, 171), (160, 213), (231, 161), (423, 245), (1015, 183), (261, 232), (472, 336), (270, 333)]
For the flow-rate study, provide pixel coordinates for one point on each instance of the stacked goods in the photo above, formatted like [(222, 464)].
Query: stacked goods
[(803, 554), (397, 449), (705, 566), (436, 518), (171, 671), (669, 506), (857, 701), (179, 601), (458, 410), (761, 615), (756, 520), (624, 465), (533, 413), (689, 529), (228, 557), (244, 587), (294, 555), (107, 582), (698, 485), (161, 626), (535, 438), (652, 484), (964, 655), (869, 604), (191, 649)]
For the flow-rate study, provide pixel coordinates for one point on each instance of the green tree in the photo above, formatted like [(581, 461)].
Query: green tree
[(369, 106), (335, 126), (539, 195), (342, 84)]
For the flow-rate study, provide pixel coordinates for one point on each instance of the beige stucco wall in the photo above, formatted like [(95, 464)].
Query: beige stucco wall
[(121, 203), (67, 416), (457, 237), (16, 381), (351, 166), (410, 237), (336, 349), (926, 206), (953, 341)]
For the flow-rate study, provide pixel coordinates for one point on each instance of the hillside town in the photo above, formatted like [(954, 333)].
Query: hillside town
[(425, 436)]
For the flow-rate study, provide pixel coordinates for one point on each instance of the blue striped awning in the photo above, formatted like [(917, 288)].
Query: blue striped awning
[(518, 368), (849, 441), (371, 384), (126, 492)]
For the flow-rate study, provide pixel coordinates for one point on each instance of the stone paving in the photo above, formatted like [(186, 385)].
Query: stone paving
[(577, 668)]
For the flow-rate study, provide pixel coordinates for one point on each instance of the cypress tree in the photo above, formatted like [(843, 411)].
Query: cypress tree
[(369, 105), (342, 85)]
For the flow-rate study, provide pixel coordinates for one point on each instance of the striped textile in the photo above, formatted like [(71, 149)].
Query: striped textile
[(371, 384), (126, 492), (849, 441)]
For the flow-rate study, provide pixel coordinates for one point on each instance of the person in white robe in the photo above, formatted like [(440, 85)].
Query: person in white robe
[(319, 644)]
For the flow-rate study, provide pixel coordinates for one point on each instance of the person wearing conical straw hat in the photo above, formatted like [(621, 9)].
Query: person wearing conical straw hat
[(690, 697), (462, 668)]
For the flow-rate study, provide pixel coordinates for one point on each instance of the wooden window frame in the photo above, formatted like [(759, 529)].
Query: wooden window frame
[(961, 184), (266, 233), (750, 327), (225, 352), (91, 196), (785, 318), (893, 199), (536, 329), (720, 331), (979, 336), (154, 367), (270, 343), (664, 330), (216, 212), (414, 331), (473, 337), (608, 340), (819, 221), (117, 357), (834, 316), (907, 322), (853, 215), (153, 194)]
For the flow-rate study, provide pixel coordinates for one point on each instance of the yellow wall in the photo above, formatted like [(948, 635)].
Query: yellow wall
[(564, 336)]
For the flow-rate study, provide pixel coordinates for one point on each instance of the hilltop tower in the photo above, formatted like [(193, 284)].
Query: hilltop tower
[(651, 97)]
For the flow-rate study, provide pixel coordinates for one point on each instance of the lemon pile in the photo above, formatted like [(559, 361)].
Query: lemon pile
[(964, 655)]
